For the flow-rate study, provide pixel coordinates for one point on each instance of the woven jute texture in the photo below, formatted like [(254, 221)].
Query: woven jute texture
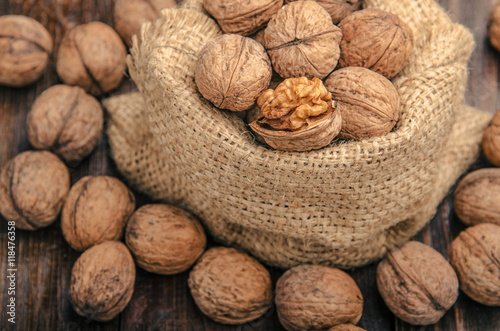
[(343, 205)]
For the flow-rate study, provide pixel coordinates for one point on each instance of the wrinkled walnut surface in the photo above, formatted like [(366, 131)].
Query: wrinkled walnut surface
[(33, 186), (229, 286), (302, 41), (338, 9), (25, 49), (368, 101), (232, 71), (346, 327), (92, 56), (377, 40), (491, 140), (475, 255), (97, 209), (313, 297), (494, 26), (65, 120), (417, 283), (476, 198), (242, 17), (164, 239), (102, 281)]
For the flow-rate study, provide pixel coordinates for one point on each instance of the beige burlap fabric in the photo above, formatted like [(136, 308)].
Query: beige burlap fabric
[(343, 205)]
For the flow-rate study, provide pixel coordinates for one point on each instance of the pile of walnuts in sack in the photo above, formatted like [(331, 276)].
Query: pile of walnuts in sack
[(329, 64)]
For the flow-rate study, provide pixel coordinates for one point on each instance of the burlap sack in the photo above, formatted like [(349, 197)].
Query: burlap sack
[(343, 205)]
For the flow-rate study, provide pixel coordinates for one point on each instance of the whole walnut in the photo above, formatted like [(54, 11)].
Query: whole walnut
[(25, 49), (368, 101), (494, 26), (313, 297), (476, 198), (346, 327), (65, 120), (97, 209), (417, 283), (475, 255), (377, 40), (229, 286), (102, 281), (491, 140), (129, 15), (92, 56), (242, 17), (164, 239), (302, 41), (33, 186), (232, 71), (338, 9)]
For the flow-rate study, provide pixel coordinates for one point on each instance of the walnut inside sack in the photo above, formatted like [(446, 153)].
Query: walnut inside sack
[(338, 9)]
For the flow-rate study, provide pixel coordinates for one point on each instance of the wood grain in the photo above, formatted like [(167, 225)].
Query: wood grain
[(163, 302)]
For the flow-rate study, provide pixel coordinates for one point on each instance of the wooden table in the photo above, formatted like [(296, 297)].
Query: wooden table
[(163, 302)]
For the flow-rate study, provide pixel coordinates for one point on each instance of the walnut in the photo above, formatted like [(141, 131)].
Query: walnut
[(476, 198), (377, 40), (475, 255), (102, 281), (299, 115), (346, 327), (494, 26), (417, 283), (232, 71), (25, 49), (92, 56), (368, 101), (65, 120), (97, 208), (313, 297), (302, 41), (242, 17), (164, 239), (129, 15), (229, 286), (338, 9), (33, 186), (491, 140)]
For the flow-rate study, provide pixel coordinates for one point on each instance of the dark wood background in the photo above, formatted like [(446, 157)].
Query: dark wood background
[(163, 302)]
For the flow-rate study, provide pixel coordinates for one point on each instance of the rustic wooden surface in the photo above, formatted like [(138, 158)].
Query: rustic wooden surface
[(164, 303)]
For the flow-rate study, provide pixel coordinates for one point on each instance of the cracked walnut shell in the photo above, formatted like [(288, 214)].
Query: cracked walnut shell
[(377, 40), (33, 186), (102, 281), (491, 140), (313, 297), (475, 255), (229, 286), (97, 209), (164, 239), (417, 283), (368, 101), (302, 41), (232, 71), (299, 115), (338, 9)]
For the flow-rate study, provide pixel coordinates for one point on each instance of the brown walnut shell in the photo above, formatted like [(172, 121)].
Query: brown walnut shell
[(33, 186), (302, 41), (164, 239), (102, 281), (475, 255), (491, 140), (229, 286), (377, 40), (313, 297), (129, 15), (25, 49), (242, 17), (338, 9), (346, 327), (494, 26), (417, 283), (477, 197), (65, 120), (232, 71), (92, 56), (97, 209), (368, 101)]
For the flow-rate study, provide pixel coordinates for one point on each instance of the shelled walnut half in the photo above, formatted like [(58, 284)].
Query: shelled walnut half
[(299, 115)]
